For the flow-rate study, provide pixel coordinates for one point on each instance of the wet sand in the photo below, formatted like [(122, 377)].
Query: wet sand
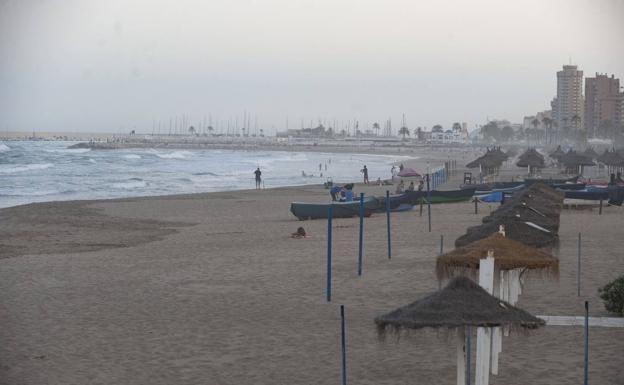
[(211, 289)]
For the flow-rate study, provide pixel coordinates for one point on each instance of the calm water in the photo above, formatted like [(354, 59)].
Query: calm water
[(48, 171)]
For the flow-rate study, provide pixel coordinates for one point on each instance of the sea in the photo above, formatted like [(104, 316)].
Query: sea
[(42, 171)]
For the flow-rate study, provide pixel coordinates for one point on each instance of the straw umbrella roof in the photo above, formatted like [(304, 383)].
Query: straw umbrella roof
[(461, 303), (508, 255), (493, 158), (573, 159), (590, 153), (558, 153), (531, 158)]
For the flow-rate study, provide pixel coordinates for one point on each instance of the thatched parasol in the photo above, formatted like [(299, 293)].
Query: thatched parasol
[(509, 255), (557, 154), (461, 304), (490, 161), (531, 159), (590, 153), (575, 162)]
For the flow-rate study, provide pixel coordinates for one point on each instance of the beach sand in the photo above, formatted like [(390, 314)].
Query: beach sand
[(211, 289)]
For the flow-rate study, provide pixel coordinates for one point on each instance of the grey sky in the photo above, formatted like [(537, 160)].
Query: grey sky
[(84, 65)]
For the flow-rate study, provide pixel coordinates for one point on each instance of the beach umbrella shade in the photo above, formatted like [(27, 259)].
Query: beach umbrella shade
[(573, 161), (460, 304), (531, 158), (509, 255), (409, 172), (557, 154), (590, 153)]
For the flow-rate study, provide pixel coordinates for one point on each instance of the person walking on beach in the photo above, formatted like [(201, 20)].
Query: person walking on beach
[(365, 171), (258, 174)]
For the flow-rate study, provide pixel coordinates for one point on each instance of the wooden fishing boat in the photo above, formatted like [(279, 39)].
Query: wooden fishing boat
[(438, 196), (304, 210)]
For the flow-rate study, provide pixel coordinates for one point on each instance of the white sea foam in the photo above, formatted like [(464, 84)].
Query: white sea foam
[(175, 155), (11, 169), (132, 156), (69, 150), (4, 147), (130, 184)]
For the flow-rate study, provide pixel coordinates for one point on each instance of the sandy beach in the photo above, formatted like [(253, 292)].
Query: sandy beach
[(211, 289)]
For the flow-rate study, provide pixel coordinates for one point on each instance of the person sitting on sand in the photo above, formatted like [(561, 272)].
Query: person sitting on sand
[(421, 184), (379, 182), (300, 233), (411, 186)]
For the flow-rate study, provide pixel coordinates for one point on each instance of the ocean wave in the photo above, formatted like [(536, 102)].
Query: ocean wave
[(69, 150), (4, 147), (174, 155), (206, 173), (37, 193), (131, 184), (23, 168), (132, 156)]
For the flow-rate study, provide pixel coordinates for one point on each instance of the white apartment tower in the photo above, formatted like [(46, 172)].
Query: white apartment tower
[(568, 105)]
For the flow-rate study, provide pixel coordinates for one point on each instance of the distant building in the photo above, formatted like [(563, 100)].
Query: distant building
[(527, 122), (568, 105), (603, 101), (317, 132), (456, 135)]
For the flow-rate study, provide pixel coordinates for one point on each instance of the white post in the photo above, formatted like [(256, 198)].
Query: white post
[(497, 342), (486, 280), (461, 356)]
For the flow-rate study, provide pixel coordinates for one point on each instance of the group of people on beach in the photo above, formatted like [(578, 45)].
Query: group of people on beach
[(401, 187)]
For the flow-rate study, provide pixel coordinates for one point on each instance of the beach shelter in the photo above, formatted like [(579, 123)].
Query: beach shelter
[(557, 154), (509, 255), (461, 304), (575, 162), (590, 153), (532, 160), (490, 162), (510, 260), (409, 172)]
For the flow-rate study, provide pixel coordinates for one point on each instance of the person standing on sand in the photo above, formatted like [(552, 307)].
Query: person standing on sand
[(365, 171), (258, 174)]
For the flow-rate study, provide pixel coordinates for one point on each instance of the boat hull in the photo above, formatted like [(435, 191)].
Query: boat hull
[(304, 211), (436, 196)]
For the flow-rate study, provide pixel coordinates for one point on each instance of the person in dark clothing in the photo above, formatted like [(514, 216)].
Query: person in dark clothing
[(365, 171), (258, 174), (334, 192)]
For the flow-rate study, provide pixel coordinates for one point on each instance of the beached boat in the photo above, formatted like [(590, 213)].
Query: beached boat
[(303, 210), (437, 196), (587, 195), (486, 187)]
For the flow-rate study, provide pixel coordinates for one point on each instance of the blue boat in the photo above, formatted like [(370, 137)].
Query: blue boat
[(303, 210)]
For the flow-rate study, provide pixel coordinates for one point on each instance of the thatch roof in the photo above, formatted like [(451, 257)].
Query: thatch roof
[(461, 303), (558, 153), (531, 158), (611, 158), (508, 255), (573, 159), (493, 158), (590, 153), (538, 204)]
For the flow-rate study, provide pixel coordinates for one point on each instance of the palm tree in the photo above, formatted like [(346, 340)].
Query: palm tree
[(376, 128), (210, 129), (547, 122), (261, 133), (419, 133), (404, 131), (191, 130)]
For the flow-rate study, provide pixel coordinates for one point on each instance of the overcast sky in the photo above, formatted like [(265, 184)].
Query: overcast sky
[(109, 65)]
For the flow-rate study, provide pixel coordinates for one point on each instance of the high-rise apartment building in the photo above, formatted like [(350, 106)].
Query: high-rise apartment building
[(603, 102), (568, 105)]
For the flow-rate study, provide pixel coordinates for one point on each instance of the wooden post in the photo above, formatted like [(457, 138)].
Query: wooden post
[(428, 202), (388, 222), (344, 345), (475, 200), (600, 207), (468, 354), (361, 240), (421, 206), (586, 366), (329, 251), (578, 268)]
